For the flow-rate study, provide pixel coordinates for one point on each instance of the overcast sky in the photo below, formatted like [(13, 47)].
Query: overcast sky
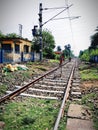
[(76, 33)]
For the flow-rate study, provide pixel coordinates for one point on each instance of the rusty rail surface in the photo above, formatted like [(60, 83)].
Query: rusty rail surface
[(25, 87)]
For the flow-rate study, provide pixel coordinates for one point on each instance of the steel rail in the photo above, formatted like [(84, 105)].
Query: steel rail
[(25, 87), (64, 100)]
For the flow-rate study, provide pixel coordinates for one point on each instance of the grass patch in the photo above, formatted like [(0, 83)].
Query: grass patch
[(63, 122), (83, 67), (28, 120), (3, 89), (41, 68), (89, 74), (88, 99), (54, 61), (27, 74), (30, 114)]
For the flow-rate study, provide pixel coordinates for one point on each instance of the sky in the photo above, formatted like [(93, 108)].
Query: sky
[(76, 32)]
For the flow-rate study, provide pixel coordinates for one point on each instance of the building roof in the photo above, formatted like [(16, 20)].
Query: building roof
[(58, 52), (14, 39)]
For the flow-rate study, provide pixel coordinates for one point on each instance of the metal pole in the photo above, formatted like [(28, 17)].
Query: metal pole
[(20, 30), (40, 31)]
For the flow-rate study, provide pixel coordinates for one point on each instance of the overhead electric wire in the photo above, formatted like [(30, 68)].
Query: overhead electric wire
[(66, 3), (54, 8), (71, 18), (57, 14)]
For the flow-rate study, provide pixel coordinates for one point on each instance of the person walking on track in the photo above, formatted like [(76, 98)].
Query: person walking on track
[(61, 58)]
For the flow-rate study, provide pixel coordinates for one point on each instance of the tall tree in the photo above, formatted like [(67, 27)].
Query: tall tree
[(59, 48), (67, 50), (92, 51), (35, 45), (85, 55), (48, 39), (96, 29), (80, 53), (94, 40), (48, 44)]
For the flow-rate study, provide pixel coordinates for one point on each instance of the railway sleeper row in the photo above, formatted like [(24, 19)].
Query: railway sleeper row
[(75, 91), (51, 86), (78, 115)]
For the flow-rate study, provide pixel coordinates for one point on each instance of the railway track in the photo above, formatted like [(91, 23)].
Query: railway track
[(55, 84)]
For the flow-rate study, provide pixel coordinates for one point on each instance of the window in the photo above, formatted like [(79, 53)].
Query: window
[(17, 48), (26, 48), (7, 47)]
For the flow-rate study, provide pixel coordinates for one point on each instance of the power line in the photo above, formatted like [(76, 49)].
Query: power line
[(57, 14), (54, 8), (68, 12), (71, 18)]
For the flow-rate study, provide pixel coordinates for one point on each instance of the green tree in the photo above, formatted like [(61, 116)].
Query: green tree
[(96, 29), (94, 40), (12, 35), (2, 35), (80, 53), (85, 55), (67, 50), (59, 48), (48, 44), (35, 45), (48, 39), (92, 51)]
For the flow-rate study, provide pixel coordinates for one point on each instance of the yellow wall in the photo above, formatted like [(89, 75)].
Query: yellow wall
[(9, 42), (13, 56), (25, 43)]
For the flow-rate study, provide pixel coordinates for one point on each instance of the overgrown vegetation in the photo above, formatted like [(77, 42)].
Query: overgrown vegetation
[(89, 72), (89, 100), (54, 61), (10, 35), (3, 88), (10, 79), (30, 114)]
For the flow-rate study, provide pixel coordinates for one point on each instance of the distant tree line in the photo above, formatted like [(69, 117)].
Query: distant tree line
[(67, 51), (49, 45)]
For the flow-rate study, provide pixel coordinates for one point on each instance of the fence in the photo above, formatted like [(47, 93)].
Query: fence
[(94, 59), (8, 56)]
